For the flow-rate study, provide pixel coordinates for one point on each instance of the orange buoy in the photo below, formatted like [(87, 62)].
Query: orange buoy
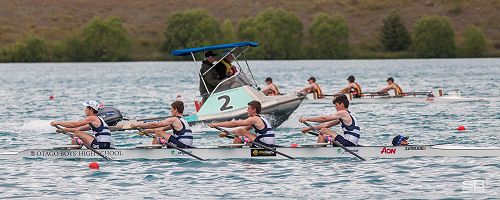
[(294, 145), (94, 165), (461, 128)]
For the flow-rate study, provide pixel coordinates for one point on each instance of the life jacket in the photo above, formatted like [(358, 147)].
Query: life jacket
[(356, 90), (318, 94), (398, 90), (101, 133), (351, 132), (229, 68), (266, 134)]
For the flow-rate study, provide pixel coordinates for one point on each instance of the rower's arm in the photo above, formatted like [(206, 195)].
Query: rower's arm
[(74, 124), (266, 89), (154, 125), (327, 124), (386, 89), (344, 90), (83, 128), (325, 118), (247, 122), (307, 88)]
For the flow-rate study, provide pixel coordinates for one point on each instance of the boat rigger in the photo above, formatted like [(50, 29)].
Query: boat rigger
[(154, 152)]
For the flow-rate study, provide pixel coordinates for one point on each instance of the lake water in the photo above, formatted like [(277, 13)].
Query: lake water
[(145, 89)]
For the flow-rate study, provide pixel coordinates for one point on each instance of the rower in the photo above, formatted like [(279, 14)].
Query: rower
[(343, 116), (271, 89), (352, 88), (181, 135), (102, 135), (263, 131), (313, 87), (400, 140), (392, 86)]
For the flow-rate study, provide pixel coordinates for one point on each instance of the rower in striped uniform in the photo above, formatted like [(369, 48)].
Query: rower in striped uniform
[(344, 117), (181, 135), (102, 136), (263, 131)]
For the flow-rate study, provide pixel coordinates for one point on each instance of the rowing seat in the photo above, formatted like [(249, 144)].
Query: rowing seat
[(68, 147), (150, 146)]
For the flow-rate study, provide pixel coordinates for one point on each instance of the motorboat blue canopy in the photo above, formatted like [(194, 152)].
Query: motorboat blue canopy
[(185, 52)]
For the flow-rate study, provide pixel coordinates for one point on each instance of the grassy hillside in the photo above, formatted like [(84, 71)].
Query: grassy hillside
[(145, 19)]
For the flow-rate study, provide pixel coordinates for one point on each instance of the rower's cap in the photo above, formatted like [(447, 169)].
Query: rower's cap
[(312, 79), (396, 141), (209, 53), (351, 78), (390, 79), (93, 104)]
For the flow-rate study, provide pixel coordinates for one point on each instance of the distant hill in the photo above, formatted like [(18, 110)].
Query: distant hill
[(145, 19)]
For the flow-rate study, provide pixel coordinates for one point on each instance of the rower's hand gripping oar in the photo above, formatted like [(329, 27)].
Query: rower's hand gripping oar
[(334, 142), (255, 143), (86, 145), (143, 132)]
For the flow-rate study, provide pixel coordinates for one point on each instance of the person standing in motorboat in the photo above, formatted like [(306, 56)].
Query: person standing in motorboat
[(209, 74), (271, 89), (102, 135)]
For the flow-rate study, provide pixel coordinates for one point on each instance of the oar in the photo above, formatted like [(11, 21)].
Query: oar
[(337, 143), (86, 146), (169, 144), (256, 143), (415, 93)]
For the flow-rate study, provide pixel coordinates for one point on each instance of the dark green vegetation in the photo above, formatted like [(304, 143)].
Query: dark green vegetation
[(300, 30)]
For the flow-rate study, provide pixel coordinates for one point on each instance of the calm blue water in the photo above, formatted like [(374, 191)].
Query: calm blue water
[(146, 89)]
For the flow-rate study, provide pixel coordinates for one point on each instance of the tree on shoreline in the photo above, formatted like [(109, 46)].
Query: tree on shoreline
[(433, 37), (329, 37), (189, 29), (474, 44), (30, 49), (393, 34)]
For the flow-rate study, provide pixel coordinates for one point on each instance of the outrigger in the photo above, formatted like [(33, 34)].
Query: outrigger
[(230, 97), (227, 152)]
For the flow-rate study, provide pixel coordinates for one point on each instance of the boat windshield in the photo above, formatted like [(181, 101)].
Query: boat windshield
[(238, 80)]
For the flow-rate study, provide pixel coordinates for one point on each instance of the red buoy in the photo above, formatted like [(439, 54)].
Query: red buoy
[(294, 145), (461, 128), (94, 165), (51, 97)]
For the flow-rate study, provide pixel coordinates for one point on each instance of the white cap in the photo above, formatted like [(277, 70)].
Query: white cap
[(93, 104)]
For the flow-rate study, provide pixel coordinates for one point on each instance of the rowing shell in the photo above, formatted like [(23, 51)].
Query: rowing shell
[(309, 151), (396, 99)]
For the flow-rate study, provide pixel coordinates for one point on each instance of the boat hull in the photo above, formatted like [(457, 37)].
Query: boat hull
[(251, 153)]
